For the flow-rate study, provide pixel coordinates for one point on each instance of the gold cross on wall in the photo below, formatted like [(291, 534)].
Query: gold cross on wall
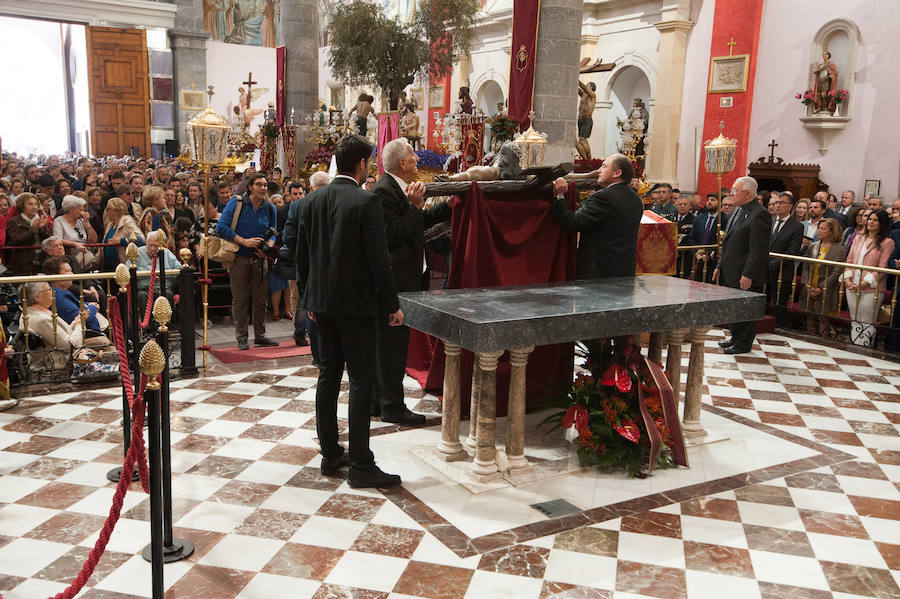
[(731, 44)]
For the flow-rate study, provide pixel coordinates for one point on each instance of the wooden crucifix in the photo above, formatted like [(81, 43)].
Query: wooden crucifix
[(249, 82), (772, 145), (598, 66)]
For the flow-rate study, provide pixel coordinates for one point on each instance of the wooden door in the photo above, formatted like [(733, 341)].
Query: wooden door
[(119, 98)]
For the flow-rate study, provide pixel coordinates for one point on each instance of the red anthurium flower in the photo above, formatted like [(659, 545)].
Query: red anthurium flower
[(609, 377), (578, 416), (629, 430), (623, 380)]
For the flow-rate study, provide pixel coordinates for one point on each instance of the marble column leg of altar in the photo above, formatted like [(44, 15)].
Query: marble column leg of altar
[(472, 440), (449, 447), (673, 359), (485, 465), (654, 349), (692, 393), (515, 416)]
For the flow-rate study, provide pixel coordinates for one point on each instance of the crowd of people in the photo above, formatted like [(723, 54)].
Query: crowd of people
[(823, 227)]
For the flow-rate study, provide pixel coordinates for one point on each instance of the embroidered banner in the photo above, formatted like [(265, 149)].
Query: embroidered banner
[(279, 92), (521, 62), (388, 129)]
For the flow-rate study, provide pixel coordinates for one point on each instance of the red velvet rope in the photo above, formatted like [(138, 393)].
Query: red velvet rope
[(135, 452), (145, 322)]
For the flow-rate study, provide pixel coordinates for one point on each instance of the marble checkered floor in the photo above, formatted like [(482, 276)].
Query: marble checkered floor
[(800, 498)]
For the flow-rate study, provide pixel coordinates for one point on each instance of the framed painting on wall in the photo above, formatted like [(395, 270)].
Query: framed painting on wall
[(417, 95), (193, 100), (873, 186), (728, 74), (436, 96)]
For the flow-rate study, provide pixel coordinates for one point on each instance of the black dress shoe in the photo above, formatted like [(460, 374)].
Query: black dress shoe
[(330, 466), (265, 342), (731, 350), (406, 417), (360, 479), (242, 344), (300, 340), (726, 343)]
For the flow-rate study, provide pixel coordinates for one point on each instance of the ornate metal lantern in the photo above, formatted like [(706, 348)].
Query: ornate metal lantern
[(533, 145), (720, 153), (208, 136)]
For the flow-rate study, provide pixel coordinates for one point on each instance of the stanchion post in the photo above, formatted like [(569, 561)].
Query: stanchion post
[(131, 254), (152, 361), (122, 280), (173, 549), (187, 306)]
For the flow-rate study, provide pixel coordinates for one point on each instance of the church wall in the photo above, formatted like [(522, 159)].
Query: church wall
[(867, 148), (227, 65)]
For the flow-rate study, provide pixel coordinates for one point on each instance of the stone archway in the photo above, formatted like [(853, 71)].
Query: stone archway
[(488, 95), (625, 85)]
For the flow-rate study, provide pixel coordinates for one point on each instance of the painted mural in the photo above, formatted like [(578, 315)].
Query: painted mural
[(251, 22)]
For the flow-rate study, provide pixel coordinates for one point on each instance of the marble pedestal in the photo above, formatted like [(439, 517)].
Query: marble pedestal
[(492, 321)]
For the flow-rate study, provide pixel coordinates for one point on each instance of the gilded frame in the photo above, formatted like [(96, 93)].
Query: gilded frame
[(719, 67)]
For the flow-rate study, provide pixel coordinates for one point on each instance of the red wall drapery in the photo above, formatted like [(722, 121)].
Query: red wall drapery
[(503, 240)]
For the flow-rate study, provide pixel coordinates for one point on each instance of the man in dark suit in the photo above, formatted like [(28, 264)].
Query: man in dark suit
[(345, 272), (703, 232), (745, 251), (608, 220), (786, 238), (684, 222), (405, 222)]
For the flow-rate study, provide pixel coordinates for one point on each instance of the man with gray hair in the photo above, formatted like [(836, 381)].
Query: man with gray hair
[(402, 199), (745, 256)]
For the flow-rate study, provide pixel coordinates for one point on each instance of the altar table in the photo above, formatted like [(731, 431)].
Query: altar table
[(490, 321)]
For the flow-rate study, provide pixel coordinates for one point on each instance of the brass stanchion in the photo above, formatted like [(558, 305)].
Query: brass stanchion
[(122, 280)]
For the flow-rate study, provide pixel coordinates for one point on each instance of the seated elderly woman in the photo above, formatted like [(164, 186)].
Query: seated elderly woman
[(28, 228), (68, 305), (73, 227), (59, 339)]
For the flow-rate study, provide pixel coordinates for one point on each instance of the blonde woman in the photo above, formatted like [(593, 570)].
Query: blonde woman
[(820, 283), (865, 289), (119, 227)]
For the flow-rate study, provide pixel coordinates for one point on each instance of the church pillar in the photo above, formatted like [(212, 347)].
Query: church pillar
[(665, 121), (598, 135), (555, 99), (188, 42), (299, 27)]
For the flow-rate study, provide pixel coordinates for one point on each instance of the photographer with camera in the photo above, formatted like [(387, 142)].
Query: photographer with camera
[(254, 232)]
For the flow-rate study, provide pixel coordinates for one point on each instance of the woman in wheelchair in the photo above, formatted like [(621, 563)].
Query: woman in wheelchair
[(67, 305), (59, 340)]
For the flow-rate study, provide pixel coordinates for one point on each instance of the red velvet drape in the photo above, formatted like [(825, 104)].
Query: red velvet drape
[(501, 240)]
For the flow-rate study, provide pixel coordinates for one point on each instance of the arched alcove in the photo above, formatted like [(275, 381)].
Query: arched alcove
[(628, 83), (488, 96), (841, 38)]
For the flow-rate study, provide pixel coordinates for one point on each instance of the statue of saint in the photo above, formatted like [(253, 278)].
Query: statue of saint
[(270, 114), (465, 101), (826, 81), (587, 99), (633, 129), (363, 109)]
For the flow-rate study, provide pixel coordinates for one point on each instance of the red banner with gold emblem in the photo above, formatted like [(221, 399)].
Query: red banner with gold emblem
[(521, 62), (656, 247), (279, 92)]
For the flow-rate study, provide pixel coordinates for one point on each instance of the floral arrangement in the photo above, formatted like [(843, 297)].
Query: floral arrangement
[(806, 97), (838, 95), (503, 129), (430, 159), (269, 132), (319, 156), (621, 413)]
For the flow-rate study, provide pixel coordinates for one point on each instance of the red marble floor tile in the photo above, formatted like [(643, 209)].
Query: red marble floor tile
[(886, 456), (819, 481), (227, 399), (893, 417), (726, 382), (887, 397), (770, 590), (186, 424), (859, 469), (57, 496), (765, 494), (860, 580), (851, 362), (67, 567), (433, 581), (31, 425), (873, 428), (564, 590), (836, 437), (653, 523), (67, 528), (731, 561), (201, 443), (203, 540), (876, 508), (388, 540), (209, 384), (245, 414), (272, 524), (100, 416), (180, 507), (351, 507), (779, 418), (210, 581), (835, 384), (740, 403), (267, 432), (312, 478), (855, 404), (821, 411), (829, 523), (289, 392), (803, 389), (263, 378), (760, 394), (299, 405), (40, 445), (518, 560), (778, 540), (107, 434), (240, 492), (705, 507), (9, 582), (596, 541), (221, 466), (648, 579), (290, 454), (334, 591), (304, 561), (101, 594)]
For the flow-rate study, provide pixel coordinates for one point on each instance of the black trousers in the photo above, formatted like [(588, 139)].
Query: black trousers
[(743, 333), (350, 341), (392, 346)]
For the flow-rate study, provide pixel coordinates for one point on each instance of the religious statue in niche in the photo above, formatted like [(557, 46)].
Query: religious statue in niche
[(826, 75), (633, 129), (587, 99)]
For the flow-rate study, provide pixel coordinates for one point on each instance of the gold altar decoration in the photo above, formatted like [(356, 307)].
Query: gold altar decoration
[(208, 135), (719, 158)]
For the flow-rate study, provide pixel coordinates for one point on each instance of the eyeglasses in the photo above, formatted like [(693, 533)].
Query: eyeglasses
[(260, 184)]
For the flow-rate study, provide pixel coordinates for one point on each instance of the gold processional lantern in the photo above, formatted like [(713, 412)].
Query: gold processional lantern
[(533, 145), (719, 158), (208, 139)]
